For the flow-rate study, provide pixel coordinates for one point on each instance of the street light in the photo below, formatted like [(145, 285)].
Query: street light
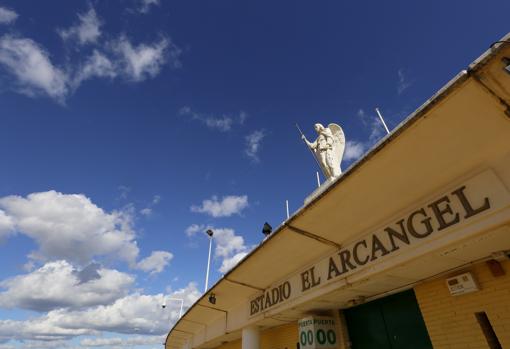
[(267, 229), (174, 299), (210, 233), (212, 298)]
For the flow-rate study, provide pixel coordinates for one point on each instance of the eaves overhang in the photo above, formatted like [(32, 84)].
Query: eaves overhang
[(273, 241)]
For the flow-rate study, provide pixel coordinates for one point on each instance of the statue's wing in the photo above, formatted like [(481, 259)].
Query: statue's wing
[(338, 145)]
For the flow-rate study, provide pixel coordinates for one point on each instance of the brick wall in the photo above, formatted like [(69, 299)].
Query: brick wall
[(451, 321), (281, 337)]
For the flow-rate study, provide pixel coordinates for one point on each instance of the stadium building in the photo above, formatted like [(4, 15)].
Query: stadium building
[(407, 249)]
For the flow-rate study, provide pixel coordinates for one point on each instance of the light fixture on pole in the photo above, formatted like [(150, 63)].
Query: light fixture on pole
[(210, 233), (174, 299), (267, 229), (212, 298)]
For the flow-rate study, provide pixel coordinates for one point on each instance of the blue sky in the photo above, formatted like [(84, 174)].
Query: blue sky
[(130, 126)]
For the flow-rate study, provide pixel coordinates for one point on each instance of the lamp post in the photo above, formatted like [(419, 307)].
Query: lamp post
[(210, 233), (175, 299)]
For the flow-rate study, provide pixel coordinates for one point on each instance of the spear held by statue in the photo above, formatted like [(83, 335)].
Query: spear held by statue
[(311, 151)]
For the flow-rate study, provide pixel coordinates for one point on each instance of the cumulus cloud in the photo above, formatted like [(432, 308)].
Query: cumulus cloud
[(71, 227), (354, 149), (222, 123), (227, 242), (96, 65), (253, 144), (35, 74), (226, 207), (156, 262), (7, 346), (39, 329), (59, 285), (6, 225), (147, 211), (229, 247), (230, 262), (42, 344), (31, 66), (145, 5), (135, 313), (7, 16), (145, 60), (87, 30), (195, 228), (122, 342)]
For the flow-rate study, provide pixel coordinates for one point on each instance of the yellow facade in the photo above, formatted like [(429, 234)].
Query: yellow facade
[(458, 141), (280, 337), (451, 321)]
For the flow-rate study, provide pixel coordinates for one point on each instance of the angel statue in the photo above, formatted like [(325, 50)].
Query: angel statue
[(328, 148)]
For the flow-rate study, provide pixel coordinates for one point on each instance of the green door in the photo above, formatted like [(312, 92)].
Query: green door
[(393, 322)]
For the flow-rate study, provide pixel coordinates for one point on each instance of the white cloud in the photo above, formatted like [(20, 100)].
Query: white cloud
[(35, 74), (31, 66), (42, 344), (229, 263), (7, 346), (7, 16), (228, 206), (229, 247), (134, 314), (145, 61), (59, 285), (156, 262), (71, 227), (242, 117), (86, 31), (6, 225), (354, 149), (123, 191), (38, 329), (156, 199), (223, 123), (195, 228), (227, 242), (145, 5), (96, 65), (403, 83), (122, 342), (147, 211), (253, 144)]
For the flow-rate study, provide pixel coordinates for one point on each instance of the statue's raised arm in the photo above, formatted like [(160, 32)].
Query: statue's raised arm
[(328, 148)]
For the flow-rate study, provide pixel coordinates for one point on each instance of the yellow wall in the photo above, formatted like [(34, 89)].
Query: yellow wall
[(451, 321), (231, 345), (280, 337)]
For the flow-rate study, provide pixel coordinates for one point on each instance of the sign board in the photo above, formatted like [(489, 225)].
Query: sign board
[(468, 201), (317, 332), (461, 284)]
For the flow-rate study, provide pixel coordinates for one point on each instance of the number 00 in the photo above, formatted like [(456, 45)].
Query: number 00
[(306, 338), (331, 337)]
